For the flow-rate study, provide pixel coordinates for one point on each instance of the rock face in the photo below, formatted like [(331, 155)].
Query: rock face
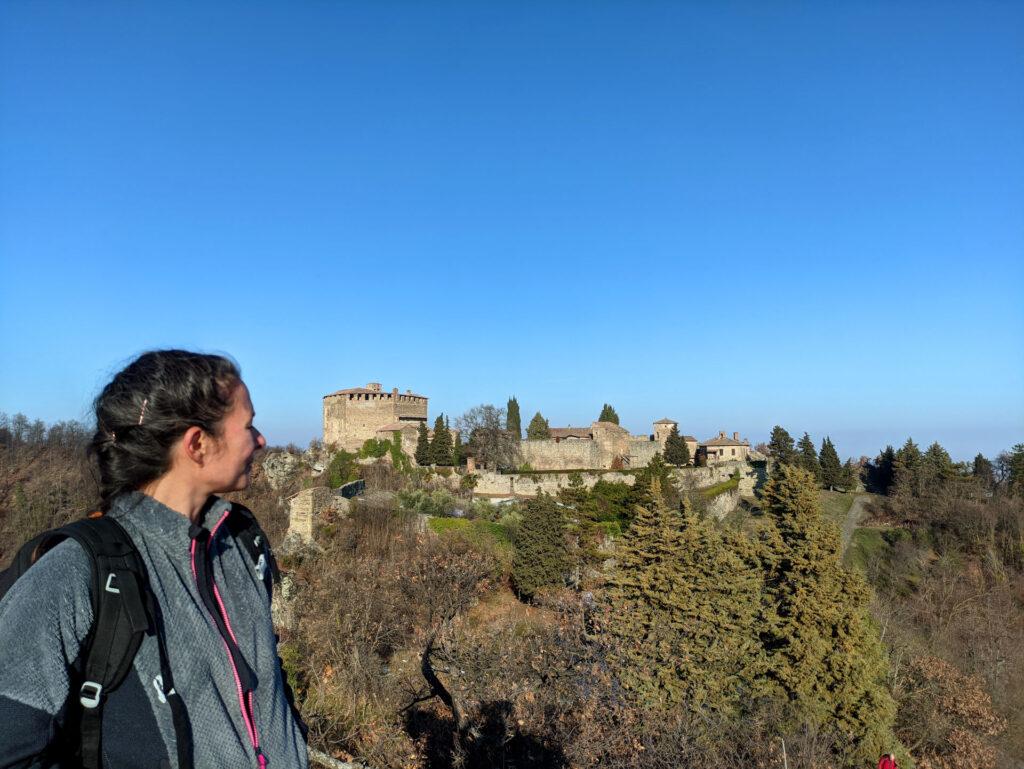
[(279, 468)]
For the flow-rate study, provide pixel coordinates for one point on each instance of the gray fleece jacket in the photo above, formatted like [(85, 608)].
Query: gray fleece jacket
[(47, 614)]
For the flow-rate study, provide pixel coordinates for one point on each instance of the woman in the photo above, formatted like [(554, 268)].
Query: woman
[(174, 430)]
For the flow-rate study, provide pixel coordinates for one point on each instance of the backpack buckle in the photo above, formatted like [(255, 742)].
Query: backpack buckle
[(261, 566), (90, 694), (109, 587)]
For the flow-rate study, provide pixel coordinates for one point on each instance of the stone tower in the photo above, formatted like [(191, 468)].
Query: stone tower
[(354, 415), (662, 428)]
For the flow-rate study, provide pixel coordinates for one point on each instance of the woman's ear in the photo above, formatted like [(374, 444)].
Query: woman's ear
[(195, 444)]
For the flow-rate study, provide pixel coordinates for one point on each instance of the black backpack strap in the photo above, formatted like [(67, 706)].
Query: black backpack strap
[(120, 620), (247, 530)]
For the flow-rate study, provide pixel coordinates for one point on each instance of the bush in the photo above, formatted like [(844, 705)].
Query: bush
[(342, 469), (374, 448), (541, 554)]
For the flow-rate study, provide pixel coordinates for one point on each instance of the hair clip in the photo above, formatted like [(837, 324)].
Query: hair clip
[(142, 413)]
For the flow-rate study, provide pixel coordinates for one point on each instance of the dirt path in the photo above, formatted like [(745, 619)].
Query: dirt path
[(857, 512)]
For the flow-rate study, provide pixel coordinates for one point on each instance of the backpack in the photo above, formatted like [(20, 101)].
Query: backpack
[(124, 611)]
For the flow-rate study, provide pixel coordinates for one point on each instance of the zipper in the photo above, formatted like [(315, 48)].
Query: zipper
[(245, 678)]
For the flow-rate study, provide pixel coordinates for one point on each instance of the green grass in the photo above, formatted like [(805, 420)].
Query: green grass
[(473, 529), (835, 506), (866, 545), (720, 488)]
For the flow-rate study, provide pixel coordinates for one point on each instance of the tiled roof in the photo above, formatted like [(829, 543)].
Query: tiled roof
[(725, 442), (570, 432), (666, 421)]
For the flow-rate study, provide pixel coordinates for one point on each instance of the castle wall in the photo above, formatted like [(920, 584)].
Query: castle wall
[(641, 453), (547, 454), (490, 483)]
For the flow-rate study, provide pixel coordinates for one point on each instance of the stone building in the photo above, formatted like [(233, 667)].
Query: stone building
[(663, 428), (602, 446), (352, 416), (723, 449)]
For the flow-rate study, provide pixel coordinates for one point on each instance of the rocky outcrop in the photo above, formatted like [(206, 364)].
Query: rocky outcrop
[(280, 467)]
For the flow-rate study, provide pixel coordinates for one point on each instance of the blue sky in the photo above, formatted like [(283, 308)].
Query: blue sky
[(733, 214)]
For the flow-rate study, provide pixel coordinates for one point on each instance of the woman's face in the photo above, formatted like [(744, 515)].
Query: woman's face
[(230, 463)]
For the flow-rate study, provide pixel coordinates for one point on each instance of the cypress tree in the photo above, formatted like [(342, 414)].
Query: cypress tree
[(422, 455), (808, 458), (831, 467), (457, 451), (541, 556), (824, 653), (441, 445), (608, 414), (983, 471), (682, 611), (676, 451), (512, 421), (780, 446), (538, 428)]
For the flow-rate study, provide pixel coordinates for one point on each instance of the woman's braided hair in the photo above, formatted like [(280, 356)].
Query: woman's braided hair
[(147, 406)]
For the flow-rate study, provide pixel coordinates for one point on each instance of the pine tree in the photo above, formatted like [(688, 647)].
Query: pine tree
[(1015, 466), (538, 428), (422, 455), (907, 475), (808, 458), (824, 654), (608, 414), (937, 467), (512, 421), (676, 451), (880, 472), (441, 445), (541, 555), (983, 471), (780, 446), (680, 634), (831, 467)]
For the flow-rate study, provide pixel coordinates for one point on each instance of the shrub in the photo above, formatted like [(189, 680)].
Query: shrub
[(342, 469)]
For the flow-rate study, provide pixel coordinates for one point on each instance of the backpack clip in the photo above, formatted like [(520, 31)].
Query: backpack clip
[(90, 694)]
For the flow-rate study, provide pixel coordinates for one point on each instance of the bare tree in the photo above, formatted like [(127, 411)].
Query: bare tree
[(492, 445)]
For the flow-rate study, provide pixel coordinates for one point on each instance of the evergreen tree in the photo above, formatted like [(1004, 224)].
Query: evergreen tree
[(422, 455), (907, 471), (541, 555), (1015, 466), (780, 446), (538, 428), (458, 453), (682, 635), (848, 476), (441, 445), (512, 421), (676, 451), (881, 471), (983, 471), (937, 467), (808, 458), (824, 654), (608, 414), (831, 467)]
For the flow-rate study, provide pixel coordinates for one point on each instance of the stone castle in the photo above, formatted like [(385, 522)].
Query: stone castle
[(353, 416)]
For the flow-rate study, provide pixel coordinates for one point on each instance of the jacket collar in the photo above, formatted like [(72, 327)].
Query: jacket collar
[(160, 523)]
